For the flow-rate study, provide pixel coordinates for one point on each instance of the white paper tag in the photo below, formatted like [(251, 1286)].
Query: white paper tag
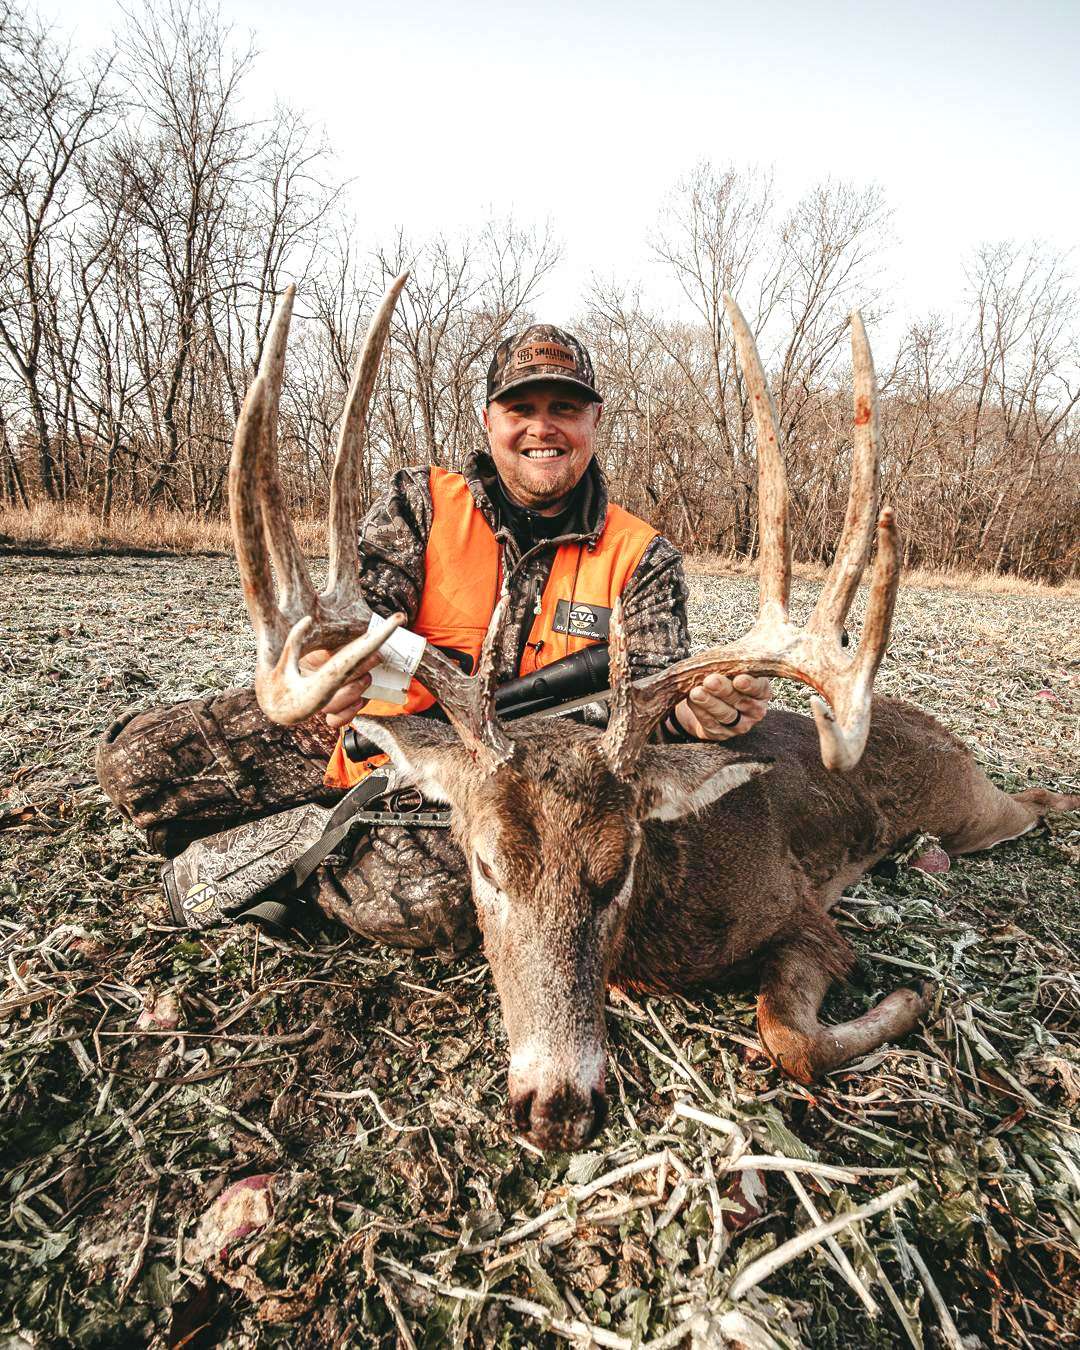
[(401, 651), (388, 685), (399, 657)]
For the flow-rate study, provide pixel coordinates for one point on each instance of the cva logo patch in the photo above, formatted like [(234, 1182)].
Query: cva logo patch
[(200, 897), (582, 620)]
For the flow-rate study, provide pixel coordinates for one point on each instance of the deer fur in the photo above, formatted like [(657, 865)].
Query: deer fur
[(709, 861)]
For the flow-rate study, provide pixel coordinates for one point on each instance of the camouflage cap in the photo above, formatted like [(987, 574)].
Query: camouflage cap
[(541, 352)]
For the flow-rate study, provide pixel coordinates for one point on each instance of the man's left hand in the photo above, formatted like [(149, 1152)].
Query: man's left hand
[(723, 706)]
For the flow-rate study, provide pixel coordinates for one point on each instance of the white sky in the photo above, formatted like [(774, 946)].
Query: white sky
[(967, 114)]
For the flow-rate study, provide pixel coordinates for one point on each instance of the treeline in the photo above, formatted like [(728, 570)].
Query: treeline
[(149, 217)]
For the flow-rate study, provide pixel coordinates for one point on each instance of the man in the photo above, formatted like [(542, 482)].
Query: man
[(437, 547)]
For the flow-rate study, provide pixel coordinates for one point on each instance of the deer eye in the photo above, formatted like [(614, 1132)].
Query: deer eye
[(486, 872), (605, 894)]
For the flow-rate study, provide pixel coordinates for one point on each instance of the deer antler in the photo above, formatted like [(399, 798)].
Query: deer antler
[(813, 655), (297, 619)]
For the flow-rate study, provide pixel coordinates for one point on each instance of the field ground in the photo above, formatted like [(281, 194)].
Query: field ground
[(369, 1085)]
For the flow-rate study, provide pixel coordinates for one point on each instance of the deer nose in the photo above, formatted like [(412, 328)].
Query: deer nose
[(562, 1118)]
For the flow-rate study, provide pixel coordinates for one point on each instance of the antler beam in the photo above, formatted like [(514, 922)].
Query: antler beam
[(813, 655), (294, 618)]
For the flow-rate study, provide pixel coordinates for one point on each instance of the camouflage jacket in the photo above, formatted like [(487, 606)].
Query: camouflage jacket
[(393, 539)]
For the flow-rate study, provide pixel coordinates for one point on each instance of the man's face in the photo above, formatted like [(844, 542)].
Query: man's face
[(542, 437)]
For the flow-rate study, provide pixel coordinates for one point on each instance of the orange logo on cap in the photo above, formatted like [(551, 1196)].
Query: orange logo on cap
[(545, 354)]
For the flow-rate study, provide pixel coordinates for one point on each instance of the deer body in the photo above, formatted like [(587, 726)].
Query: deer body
[(606, 858), (714, 889)]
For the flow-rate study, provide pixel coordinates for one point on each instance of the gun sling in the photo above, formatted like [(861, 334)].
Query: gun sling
[(251, 871)]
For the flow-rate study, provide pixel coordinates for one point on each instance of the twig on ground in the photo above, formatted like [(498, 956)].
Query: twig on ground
[(766, 1265), (847, 1270), (687, 1068), (572, 1330), (394, 1308), (949, 1330), (131, 1274), (714, 1122), (369, 1095), (576, 1193)]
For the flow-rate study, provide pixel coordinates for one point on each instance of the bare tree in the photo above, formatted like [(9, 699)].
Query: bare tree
[(54, 110), (1025, 381), (179, 167), (150, 214), (462, 296)]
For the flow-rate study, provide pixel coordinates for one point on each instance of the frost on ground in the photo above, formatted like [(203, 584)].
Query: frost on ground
[(228, 1139)]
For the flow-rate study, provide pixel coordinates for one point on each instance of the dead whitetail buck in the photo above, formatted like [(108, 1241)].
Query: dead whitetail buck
[(602, 859)]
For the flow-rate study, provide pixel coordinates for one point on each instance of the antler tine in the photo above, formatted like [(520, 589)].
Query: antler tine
[(295, 591), (494, 737), (343, 580), (469, 701), (842, 730), (857, 535), (287, 694), (774, 546), (635, 710), (245, 514), (628, 727)]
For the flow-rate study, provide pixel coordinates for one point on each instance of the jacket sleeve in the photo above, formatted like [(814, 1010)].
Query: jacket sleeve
[(654, 609), (393, 541)]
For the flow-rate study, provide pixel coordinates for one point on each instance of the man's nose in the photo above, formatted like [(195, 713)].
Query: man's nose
[(543, 426)]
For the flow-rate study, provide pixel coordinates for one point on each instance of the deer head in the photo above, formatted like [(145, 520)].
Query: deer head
[(552, 837), (552, 822)]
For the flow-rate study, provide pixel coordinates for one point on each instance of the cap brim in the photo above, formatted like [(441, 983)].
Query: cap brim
[(547, 377)]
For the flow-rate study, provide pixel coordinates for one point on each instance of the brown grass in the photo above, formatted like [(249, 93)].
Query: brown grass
[(52, 525), (987, 583)]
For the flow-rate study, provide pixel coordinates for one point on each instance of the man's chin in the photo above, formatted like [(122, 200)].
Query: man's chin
[(542, 492)]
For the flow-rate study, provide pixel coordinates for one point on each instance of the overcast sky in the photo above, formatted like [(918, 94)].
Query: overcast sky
[(966, 114)]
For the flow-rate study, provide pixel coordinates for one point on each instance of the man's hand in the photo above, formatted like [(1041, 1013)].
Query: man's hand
[(351, 697), (721, 707)]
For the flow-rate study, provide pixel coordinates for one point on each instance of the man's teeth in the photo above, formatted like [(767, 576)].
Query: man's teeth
[(543, 453)]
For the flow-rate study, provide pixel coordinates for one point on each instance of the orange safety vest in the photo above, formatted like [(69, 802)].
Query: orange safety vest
[(463, 575)]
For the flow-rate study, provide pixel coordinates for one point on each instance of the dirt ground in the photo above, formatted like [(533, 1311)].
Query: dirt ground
[(361, 1091)]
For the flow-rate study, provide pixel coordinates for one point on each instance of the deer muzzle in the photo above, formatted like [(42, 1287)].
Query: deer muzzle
[(557, 1097)]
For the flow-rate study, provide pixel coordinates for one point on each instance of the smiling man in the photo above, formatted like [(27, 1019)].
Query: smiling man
[(565, 551), (533, 514)]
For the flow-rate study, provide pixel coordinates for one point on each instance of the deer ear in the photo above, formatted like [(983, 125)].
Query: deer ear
[(680, 779), (428, 752)]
